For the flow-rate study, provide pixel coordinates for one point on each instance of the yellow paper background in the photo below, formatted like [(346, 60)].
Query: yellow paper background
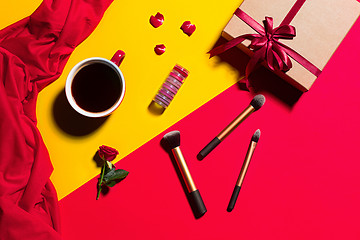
[(126, 26)]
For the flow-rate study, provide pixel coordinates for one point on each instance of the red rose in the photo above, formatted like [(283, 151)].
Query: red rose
[(107, 153)]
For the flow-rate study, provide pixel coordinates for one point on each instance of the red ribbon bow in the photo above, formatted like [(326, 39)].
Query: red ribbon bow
[(265, 45)]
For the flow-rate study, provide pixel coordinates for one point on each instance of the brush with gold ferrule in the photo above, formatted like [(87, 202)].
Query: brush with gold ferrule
[(254, 140), (255, 104), (194, 197)]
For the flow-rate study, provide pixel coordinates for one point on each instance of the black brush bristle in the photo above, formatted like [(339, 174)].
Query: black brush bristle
[(172, 139), (256, 136), (258, 101)]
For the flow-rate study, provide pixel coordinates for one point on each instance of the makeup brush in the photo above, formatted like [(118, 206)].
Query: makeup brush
[(196, 202), (255, 104), (250, 152)]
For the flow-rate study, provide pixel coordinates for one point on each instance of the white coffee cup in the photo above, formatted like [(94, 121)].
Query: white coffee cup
[(95, 87)]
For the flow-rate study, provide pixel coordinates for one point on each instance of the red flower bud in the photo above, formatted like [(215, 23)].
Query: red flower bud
[(107, 153)]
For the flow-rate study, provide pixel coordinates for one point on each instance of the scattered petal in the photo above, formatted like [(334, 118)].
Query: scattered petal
[(157, 21), (160, 49), (188, 28)]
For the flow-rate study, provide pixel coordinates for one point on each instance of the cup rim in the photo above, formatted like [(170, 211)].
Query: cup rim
[(70, 79)]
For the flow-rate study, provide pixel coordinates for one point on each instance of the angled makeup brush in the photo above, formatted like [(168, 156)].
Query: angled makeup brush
[(196, 202), (254, 140), (255, 104)]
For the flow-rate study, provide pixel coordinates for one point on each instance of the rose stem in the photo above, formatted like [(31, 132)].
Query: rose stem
[(100, 182)]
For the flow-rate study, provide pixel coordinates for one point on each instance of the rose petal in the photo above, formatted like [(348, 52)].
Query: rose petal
[(157, 21), (188, 28), (160, 49)]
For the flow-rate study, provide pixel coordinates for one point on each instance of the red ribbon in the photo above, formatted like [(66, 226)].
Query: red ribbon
[(266, 45)]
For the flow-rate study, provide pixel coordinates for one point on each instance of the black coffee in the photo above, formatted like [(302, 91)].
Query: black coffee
[(96, 87)]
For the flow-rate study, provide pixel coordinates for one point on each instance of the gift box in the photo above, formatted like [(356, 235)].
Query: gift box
[(295, 39)]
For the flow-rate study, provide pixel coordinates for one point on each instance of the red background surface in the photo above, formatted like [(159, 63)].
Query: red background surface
[(303, 181)]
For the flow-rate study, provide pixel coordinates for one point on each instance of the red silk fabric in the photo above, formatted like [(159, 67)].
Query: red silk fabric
[(33, 53)]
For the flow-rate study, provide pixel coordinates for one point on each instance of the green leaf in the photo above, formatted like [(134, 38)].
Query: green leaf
[(113, 174), (111, 184)]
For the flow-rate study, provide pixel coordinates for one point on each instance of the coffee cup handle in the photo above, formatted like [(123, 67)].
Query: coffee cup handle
[(118, 57)]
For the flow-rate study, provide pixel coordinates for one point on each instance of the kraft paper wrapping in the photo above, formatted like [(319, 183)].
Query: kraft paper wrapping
[(320, 25)]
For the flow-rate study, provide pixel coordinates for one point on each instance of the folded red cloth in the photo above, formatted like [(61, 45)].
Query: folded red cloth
[(33, 53)]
